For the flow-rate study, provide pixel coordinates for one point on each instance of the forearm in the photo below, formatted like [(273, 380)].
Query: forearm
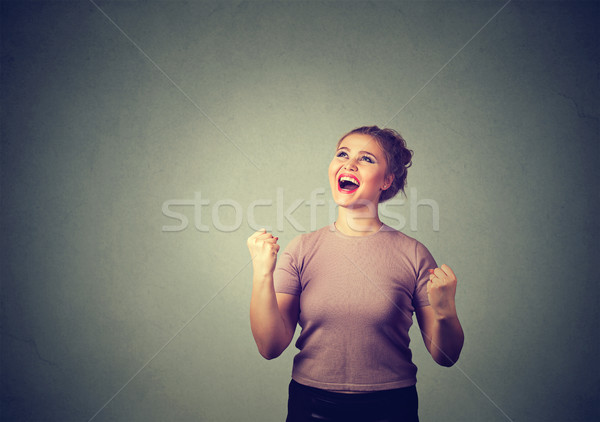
[(447, 340), (268, 327)]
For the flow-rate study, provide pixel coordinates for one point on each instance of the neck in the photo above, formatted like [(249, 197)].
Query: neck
[(357, 222)]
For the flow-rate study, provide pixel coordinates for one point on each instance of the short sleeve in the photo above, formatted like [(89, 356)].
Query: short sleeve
[(423, 263), (286, 277)]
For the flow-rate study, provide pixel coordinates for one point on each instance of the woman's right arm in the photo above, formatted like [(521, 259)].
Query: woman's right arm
[(273, 316)]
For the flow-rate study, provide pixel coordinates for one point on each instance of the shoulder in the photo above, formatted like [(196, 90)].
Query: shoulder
[(404, 241), (390, 233)]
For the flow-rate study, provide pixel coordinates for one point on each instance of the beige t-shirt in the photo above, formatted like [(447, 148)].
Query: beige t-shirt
[(357, 297)]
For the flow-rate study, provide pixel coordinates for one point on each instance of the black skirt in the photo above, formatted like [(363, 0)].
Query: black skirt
[(309, 404)]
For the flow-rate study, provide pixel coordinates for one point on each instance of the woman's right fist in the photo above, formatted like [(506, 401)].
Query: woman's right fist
[(263, 250)]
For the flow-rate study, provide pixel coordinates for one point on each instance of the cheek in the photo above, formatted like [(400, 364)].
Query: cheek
[(371, 177), (332, 170)]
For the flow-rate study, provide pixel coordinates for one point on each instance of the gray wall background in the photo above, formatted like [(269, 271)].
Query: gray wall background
[(235, 100)]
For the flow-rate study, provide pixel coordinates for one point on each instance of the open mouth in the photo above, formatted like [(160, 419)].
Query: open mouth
[(348, 183)]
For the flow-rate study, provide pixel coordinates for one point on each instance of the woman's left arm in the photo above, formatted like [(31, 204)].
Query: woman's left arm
[(442, 333)]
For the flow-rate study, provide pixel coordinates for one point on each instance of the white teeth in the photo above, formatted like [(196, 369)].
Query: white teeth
[(349, 179)]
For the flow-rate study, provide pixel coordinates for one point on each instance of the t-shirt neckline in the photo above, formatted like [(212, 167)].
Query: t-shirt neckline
[(334, 229)]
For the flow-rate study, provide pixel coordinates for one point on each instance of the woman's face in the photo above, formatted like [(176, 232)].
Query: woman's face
[(357, 172)]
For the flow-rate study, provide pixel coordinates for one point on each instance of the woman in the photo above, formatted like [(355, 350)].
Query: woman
[(353, 287)]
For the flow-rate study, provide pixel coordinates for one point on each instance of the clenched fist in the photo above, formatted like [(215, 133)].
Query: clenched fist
[(263, 250), (441, 291)]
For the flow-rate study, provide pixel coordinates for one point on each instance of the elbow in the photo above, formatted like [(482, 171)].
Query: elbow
[(268, 356), (446, 359), (269, 353), (447, 356), (446, 362)]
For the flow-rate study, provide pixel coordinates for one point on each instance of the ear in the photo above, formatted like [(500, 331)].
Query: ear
[(388, 181)]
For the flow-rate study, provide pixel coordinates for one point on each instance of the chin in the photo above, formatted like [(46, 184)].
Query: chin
[(345, 202), (340, 200)]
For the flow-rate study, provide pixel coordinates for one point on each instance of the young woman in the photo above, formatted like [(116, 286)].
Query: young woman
[(353, 287)]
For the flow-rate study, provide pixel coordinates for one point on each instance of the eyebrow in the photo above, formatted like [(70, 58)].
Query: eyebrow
[(360, 152)]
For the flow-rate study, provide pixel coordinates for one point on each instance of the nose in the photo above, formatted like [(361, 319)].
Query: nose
[(350, 165)]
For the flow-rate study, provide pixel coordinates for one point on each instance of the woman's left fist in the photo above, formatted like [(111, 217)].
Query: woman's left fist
[(441, 290)]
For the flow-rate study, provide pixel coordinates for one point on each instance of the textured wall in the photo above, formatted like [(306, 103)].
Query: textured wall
[(112, 117)]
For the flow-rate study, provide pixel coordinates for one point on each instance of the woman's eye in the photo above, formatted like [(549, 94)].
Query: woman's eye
[(341, 154), (367, 159)]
